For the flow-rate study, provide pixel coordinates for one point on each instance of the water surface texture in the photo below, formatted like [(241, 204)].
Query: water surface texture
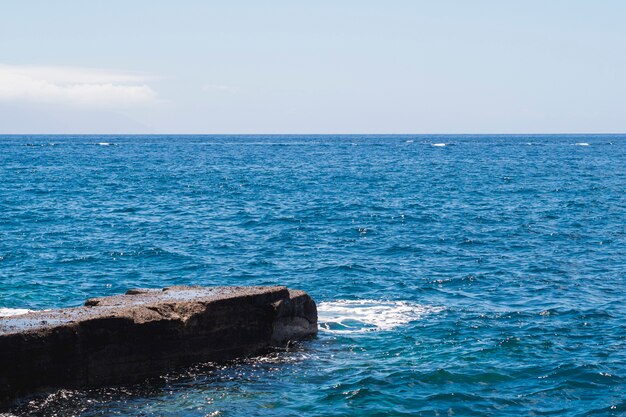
[(455, 275)]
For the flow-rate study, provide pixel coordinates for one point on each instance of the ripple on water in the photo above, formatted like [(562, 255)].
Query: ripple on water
[(523, 246)]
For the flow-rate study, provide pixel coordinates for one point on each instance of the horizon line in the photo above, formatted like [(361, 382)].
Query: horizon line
[(316, 134)]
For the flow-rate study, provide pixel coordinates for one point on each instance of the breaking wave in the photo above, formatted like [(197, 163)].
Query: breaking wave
[(359, 316), (8, 312)]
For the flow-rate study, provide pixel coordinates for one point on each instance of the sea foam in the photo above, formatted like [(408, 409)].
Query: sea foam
[(7, 312), (359, 316)]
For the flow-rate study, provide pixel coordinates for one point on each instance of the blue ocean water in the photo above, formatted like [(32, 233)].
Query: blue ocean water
[(481, 276)]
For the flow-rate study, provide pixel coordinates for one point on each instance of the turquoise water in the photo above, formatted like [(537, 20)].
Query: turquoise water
[(483, 277)]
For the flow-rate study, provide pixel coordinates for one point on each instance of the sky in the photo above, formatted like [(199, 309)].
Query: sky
[(341, 66)]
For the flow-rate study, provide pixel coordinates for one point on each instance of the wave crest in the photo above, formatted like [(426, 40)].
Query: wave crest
[(360, 316), (8, 312)]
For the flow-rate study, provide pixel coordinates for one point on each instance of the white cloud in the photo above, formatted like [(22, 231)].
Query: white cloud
[(74, 86)]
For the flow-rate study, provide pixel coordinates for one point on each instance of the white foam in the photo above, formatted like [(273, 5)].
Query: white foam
[(582, 144), (7, 312), (439, 144), (409, 141), (104, 143), (360, 316)]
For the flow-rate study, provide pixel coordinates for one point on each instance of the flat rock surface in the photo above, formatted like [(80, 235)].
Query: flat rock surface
[(140, 304)]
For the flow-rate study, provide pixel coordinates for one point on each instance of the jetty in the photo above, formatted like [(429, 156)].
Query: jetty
[(145, 333)]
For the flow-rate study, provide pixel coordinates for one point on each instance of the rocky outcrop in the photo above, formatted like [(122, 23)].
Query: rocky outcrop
[(146, 332)]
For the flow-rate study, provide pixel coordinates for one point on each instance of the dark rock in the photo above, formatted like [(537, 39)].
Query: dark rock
[(145, 333)]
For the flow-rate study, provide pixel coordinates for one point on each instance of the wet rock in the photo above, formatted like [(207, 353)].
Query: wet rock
[(145, 333)]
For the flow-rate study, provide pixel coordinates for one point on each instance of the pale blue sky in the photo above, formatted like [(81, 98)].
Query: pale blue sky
[(312, 67)]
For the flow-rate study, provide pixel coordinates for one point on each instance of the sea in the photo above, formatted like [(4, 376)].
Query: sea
[(455, 275)]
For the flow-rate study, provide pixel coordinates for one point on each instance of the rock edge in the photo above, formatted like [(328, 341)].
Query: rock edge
[(145, 333)]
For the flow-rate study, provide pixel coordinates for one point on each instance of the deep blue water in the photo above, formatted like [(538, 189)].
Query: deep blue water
[(491, 271)]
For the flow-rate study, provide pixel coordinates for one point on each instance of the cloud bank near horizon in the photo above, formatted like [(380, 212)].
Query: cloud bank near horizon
[(75, 86)]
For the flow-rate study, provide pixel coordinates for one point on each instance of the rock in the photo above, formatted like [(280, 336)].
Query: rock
[(145, 333)]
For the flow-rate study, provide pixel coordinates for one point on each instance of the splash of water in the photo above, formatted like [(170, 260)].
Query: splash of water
[(359, 316), (8, 312)]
